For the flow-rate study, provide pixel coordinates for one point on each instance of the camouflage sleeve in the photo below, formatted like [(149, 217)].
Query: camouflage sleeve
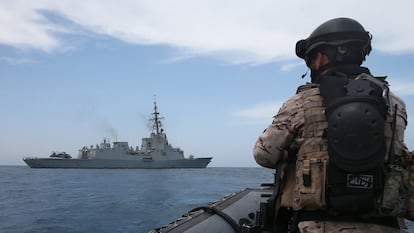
[(276, 139), (400, 149)]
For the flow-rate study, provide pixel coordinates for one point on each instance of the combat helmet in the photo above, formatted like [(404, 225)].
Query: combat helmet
[(335, 33)]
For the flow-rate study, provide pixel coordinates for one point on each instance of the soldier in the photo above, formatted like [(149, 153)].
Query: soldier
[(339, 142)]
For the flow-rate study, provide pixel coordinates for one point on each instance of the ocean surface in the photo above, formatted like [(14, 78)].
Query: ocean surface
[(112, 200), (83, 200)]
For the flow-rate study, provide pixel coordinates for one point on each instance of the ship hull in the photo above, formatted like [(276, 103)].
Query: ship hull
[(116, 164)]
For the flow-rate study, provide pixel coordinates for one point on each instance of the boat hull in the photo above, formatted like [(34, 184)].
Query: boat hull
[(115, 164), (240, 207), (246, 211)]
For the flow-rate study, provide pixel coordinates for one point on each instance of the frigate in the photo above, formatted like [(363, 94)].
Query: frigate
[(155, 152)]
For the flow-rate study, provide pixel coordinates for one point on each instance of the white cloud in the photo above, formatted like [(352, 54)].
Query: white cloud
[(402, 88), (259, 111), (14, 61), (291, 66), (234, 30), (23, 26)]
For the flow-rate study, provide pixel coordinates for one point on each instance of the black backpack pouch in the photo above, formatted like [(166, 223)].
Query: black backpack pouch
[(355, 112)]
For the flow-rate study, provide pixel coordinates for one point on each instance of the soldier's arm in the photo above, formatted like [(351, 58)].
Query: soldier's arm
[(273, 144)]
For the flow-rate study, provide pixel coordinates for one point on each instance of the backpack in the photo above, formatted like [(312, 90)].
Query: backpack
[(356, 111)]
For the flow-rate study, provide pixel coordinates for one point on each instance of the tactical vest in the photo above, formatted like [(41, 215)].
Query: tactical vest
[(340, 166), (308, 174)]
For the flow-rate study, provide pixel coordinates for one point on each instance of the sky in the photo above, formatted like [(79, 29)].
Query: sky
[(74, 72)]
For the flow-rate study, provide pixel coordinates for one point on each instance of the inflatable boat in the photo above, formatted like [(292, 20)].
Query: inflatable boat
[(246, 211), (243, 211)]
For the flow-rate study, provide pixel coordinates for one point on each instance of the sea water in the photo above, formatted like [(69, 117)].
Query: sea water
[(112, 200)]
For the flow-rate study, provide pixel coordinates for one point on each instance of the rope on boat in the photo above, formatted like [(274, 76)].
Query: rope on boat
[(226, 217)]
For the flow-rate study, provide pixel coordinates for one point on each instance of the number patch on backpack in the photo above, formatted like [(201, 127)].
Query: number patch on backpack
[(360, 181)]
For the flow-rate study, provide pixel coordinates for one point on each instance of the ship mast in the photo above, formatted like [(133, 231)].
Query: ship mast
[(156, 120)]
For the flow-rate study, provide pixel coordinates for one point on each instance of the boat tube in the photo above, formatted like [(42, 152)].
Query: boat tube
[(243, 211), (246, 211)]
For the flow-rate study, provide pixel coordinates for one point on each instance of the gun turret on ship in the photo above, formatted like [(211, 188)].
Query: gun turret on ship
[(155, 152)]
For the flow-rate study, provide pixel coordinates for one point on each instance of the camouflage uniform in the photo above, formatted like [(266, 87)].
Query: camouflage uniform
[(343, 227), (299, 126), (287, 129)]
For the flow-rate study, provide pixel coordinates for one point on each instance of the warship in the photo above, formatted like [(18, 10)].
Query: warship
[(155, 152)]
